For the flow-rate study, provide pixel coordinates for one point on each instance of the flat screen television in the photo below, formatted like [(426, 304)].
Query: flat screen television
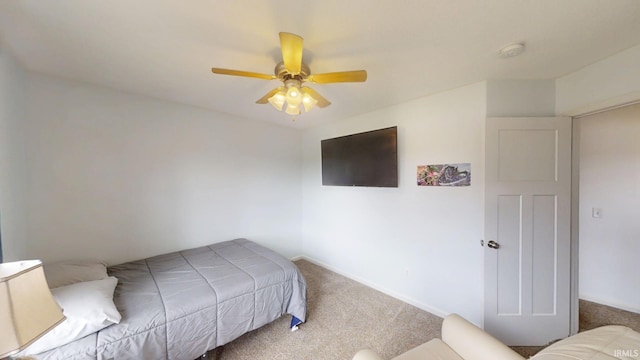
[(365, 159)]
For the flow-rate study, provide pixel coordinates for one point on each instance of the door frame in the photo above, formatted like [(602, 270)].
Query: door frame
[(574, 254)]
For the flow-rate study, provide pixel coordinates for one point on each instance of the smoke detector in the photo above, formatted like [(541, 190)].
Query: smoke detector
[(511, 50)]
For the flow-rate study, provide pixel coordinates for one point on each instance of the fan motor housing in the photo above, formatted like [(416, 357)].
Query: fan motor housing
[(282, 73)]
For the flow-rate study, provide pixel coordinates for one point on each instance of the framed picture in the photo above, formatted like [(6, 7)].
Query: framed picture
[(444, 175)]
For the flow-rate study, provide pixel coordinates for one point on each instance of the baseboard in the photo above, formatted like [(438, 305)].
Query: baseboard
[(609, 303), (296, 258), (408, 300)]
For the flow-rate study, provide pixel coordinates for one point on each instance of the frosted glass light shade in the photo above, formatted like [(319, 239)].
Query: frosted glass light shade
[(27, 308), (293, 96), (278, 100), (292, 109), (308, 102)]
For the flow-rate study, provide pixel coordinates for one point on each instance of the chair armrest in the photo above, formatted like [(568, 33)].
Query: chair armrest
[(472, 343), (366, 355)]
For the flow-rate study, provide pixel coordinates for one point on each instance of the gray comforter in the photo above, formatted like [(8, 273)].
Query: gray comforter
[(179, 305)]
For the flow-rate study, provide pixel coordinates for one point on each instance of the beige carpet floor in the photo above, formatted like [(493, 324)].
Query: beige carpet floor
[(345, 316)]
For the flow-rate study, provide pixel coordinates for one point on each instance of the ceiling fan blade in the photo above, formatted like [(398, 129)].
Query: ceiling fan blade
[(342, 76), (265, 99), (322, 102), (242, 73), (291, 45)]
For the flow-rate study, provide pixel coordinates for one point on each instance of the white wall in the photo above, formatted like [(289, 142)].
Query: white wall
[(120, 177), (610, 82), (610, 180), (373, 234), (521, 98), (13, 216)]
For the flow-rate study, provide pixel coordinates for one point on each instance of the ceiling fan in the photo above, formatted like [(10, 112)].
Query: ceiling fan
[(294, 73)]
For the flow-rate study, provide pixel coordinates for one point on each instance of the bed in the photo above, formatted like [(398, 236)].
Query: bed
[(179, 305)]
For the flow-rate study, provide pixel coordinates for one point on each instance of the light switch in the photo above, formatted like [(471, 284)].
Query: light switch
[(596, 213)]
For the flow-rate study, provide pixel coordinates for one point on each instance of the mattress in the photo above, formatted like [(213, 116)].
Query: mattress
[(178, 306)]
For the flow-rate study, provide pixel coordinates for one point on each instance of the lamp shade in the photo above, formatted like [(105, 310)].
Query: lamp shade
[(27, 308)]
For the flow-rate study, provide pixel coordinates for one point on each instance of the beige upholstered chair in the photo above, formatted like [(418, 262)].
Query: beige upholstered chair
[(461, 340)]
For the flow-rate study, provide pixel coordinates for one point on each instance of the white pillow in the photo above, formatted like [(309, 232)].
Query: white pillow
[(88, 307), (70, 272)]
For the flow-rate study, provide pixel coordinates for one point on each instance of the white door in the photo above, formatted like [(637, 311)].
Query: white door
[(527, 229)]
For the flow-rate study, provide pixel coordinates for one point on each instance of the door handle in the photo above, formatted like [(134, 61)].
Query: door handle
[(492, 244)]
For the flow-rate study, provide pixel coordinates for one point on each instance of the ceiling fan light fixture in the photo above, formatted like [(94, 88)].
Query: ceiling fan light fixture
[(278, 100), (293, 73)]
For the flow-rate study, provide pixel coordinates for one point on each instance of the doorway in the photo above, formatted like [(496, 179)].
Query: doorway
[(607, 183)]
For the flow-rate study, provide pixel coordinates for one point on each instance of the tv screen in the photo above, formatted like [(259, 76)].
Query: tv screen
[(365, 159)]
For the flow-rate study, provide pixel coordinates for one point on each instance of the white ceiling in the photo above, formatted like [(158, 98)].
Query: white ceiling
[(410, 48)]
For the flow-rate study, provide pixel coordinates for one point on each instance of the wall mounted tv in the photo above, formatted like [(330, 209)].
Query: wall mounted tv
[(365, 159)]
